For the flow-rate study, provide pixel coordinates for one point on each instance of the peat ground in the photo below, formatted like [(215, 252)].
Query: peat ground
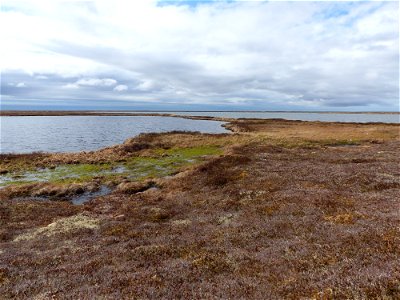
[(277, 210)]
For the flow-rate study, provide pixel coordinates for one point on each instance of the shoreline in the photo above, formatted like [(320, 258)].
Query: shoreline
[(206, 118), (167, 112), (232, 125), (181, 207), (240, 127)]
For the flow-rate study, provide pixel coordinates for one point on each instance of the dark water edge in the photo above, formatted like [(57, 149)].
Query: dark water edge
[(84, 133)]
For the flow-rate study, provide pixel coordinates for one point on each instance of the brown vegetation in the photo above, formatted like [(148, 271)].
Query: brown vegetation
[(291, 210), (130, 148)]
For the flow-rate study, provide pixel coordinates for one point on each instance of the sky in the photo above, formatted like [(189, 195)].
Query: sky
[(200, 55)]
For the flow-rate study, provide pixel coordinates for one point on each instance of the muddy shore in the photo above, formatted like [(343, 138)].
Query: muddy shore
[(277, 209)]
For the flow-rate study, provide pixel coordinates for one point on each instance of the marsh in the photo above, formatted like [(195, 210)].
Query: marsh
[(278, 209)]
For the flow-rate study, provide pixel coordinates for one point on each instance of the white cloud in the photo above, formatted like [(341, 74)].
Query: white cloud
[(20, 85), (146, 85), (70, 86), (91, 82), (217, 53), (121, 88), (96, 82)]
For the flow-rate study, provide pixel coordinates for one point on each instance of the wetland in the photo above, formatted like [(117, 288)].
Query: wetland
[(274, 209)]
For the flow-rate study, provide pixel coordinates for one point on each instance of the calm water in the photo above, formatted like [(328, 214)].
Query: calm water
[(326, 117), (78, 133)]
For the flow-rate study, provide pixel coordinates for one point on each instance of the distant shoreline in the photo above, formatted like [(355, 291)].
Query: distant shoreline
[(161, 112)]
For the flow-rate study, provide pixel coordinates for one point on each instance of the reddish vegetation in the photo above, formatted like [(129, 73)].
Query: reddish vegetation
[(277, 217)]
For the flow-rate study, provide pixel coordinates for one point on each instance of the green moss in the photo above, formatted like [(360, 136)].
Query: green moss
[(168, 161), (15, 182), (60, 174), (161, 163), (78, 173)]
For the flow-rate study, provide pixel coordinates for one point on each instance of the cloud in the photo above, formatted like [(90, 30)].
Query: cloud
[(91, 82), (252, 54), (20, 85), (121, 88), (147, 85), (70, 86), (96, 82)]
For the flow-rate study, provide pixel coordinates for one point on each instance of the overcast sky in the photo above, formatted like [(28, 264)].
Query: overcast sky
[(200, 55)]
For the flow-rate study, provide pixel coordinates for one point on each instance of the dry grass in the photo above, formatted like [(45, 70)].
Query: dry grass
[(60, 226), (319, 131), (275, 217)]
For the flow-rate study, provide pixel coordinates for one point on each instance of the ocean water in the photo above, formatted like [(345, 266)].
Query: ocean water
[(303, 116), (84, 133)]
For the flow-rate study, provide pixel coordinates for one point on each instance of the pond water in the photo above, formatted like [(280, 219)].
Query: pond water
[(84, 133), (85, 197), (304, 116)]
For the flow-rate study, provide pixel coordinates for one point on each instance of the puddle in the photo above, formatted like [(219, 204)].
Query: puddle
[(39, 175), (119, 170), (85, 197), (135, 170), (165, 163), (77, 200), (60, 173)]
